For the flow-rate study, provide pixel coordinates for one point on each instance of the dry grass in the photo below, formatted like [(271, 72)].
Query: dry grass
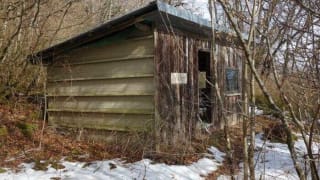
[(20, 142), (217, 139), (22, 136)]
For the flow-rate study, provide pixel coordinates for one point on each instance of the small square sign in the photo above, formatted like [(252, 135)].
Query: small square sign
[(179, 78)]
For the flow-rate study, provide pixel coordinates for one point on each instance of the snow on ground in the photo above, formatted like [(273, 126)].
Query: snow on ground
[(273, 161), (257, 111), (117, 169)]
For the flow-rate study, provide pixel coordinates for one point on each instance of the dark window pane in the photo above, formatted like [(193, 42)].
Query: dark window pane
[(232, 80)]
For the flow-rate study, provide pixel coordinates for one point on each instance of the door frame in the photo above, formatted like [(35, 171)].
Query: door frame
[(210, 91)]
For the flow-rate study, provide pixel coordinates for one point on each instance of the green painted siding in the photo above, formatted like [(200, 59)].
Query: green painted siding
[(103, 87), (114, 69), (111, 104), (108, 84), (101, 121), (129, 48)]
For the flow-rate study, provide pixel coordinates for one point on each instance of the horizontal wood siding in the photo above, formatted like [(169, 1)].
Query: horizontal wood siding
[(103, 87), (108, 84), (101, 121), (114, 69), (124, 49), (118, 104)]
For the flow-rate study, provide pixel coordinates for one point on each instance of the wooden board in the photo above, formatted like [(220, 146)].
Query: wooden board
[(103, 87), (118, 122), (123, 49), (114, 69), (122, 105)]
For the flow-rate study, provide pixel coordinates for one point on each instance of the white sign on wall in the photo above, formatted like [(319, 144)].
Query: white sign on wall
[(179, 78)]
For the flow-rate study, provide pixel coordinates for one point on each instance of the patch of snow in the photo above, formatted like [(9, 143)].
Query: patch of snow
[(257, 111), (218, 155), (273, 160), (117, 169)]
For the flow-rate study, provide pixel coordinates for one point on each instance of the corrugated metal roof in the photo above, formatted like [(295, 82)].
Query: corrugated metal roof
[(154, 11)]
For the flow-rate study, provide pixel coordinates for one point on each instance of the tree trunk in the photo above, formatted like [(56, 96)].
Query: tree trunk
[(217, 88)]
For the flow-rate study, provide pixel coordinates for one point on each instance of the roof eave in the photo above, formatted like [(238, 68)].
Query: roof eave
[(91, 35)]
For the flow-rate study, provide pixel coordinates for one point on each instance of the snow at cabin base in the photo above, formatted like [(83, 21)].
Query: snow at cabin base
[(117, 169), (274, 161)]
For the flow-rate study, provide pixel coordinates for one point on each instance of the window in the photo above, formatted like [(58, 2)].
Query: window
[(232, 80)]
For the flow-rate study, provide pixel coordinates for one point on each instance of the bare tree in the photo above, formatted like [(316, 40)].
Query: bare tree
[(287, 50), (29, 26), (216, 87)]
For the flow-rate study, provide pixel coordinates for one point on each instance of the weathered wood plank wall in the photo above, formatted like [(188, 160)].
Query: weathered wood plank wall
[(107, 85), (228, 57), (177, 106)]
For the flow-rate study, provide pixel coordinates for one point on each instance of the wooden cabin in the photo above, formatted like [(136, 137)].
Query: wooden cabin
[(146, 71)]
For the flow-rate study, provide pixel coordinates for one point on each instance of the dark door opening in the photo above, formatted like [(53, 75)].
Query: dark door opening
[(205, 85)]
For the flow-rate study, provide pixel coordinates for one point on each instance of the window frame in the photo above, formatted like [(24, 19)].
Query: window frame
[(237, 89)]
